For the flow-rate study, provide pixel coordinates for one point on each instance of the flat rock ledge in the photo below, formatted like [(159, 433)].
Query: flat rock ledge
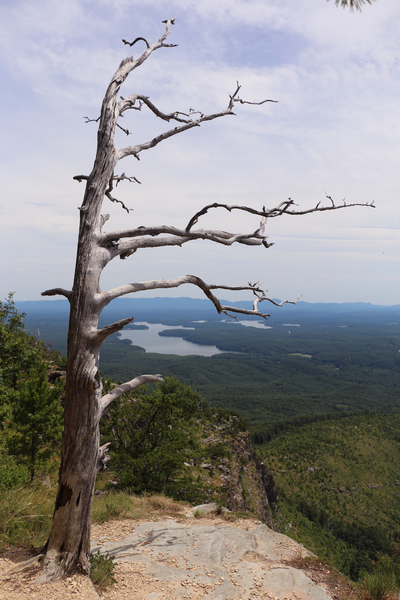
[(175, 559)]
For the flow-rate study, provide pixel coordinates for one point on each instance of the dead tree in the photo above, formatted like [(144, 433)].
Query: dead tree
[(82, 457)]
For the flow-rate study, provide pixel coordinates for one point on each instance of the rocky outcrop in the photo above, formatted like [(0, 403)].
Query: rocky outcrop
[(237, 479), (250, 487)]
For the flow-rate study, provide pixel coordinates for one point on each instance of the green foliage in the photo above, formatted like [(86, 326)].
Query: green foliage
[(36, 420), (152, 435), (160, 440), (11, 472), (102, 569), (265, 433), (17, 351), (391, 563), (379, 585), (383, 583), (339, 487), (30, 410)]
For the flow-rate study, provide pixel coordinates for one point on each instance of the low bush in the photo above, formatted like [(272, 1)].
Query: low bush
[(102, 569)]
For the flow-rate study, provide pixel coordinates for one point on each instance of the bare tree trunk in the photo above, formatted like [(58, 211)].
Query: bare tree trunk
[(69, 541), (82, 457)]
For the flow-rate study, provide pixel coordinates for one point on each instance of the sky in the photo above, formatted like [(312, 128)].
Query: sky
[(335, 129)]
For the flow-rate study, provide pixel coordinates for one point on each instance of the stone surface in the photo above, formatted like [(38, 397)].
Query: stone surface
[(215, 562)]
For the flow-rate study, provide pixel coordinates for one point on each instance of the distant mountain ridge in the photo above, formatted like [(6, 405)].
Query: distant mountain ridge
[(202, 305)]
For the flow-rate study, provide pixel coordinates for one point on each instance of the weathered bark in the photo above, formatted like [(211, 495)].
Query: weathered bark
[(82, 457)]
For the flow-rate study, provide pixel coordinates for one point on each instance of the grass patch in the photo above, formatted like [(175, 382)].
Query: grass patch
[(164, 504), (234, 516), (26, 512), (379, 585), (25, 516), (116, 505), (120, 505)]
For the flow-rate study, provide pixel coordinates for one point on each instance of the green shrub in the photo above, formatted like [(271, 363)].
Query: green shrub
[(11, 474), (102, 569)]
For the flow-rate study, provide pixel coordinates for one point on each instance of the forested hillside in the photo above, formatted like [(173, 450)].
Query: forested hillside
[(314, 359), (339, 486)]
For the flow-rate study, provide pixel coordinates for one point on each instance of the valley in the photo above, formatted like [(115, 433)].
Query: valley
[(318, 386)]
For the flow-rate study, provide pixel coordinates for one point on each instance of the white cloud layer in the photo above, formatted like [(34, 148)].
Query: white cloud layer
[(336, 128)]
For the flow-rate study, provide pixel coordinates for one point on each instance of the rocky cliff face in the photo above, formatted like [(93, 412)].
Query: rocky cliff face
[(249, 486), (231, 474)]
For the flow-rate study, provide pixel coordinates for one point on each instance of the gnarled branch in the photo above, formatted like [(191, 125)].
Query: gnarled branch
[(178, 238), (103, 458), (138, 39), (105, 297), (58, 292), (130, 103), (168, 22), (187, 123), (129, 386), (147, 237), (123, 177), (101, 334), (110, 189), (277, 211)]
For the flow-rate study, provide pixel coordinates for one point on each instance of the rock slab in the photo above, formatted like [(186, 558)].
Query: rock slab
[(215, 562)]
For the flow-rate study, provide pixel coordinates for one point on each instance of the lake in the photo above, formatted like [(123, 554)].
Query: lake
[(152, 342)]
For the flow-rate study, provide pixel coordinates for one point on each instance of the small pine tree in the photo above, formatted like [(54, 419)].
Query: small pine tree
[(18, 351), (37, 419)]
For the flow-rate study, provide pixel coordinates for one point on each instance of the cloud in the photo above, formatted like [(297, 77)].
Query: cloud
[(336, 128)]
